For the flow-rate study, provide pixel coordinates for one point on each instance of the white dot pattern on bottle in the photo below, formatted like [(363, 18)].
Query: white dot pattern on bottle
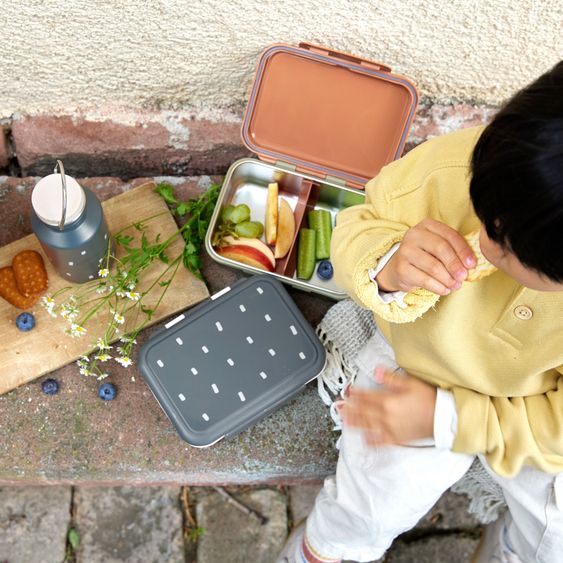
[(215, 388), (83, 253), (90, 277), (205, 349), (182, 397), (272, 352), (249, 339), (71, 263), (68, 274), (230, 362), (242, 308), (267, 317), (194, 371), (179, 341)]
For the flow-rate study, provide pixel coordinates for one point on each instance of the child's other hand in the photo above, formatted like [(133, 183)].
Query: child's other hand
[(400, 412), (432, 256)]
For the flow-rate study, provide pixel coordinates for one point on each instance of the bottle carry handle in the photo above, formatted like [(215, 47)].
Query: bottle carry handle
[(60, 166)]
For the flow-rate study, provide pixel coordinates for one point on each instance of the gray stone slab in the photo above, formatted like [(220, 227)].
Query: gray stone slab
[(302, 499), (230, 536), (34, 524), (450, 512), (129, 525), (451, 548)]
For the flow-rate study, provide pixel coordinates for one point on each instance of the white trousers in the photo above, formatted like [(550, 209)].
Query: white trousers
[(379, 493)]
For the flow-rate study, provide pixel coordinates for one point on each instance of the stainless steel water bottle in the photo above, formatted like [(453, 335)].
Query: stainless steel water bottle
[(69, 222)]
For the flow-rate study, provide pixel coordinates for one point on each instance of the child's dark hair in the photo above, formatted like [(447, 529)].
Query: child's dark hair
[(517, 175)]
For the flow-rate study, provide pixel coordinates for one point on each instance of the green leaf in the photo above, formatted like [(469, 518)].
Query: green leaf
[(164, 283), (73, 538), (124, 240), (182, 209), (166, 191)]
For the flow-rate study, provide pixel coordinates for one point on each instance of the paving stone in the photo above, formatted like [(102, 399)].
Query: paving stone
[(34, 523), (450, 512), (451, 548), (129, 524), (230, 536), (302, 499)]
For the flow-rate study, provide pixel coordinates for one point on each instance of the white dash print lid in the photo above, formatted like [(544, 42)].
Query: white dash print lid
[(232, 360)]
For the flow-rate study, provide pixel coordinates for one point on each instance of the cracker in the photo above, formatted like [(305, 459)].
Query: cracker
[(30, 272), (483, 267), (10, 292)]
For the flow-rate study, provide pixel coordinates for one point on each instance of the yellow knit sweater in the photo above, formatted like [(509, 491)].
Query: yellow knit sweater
[(505, 370)]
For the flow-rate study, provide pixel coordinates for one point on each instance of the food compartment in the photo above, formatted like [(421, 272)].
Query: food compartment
[(247, 182)]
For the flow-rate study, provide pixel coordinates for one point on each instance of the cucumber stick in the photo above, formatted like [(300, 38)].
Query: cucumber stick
[(306, 254), (321, 222)]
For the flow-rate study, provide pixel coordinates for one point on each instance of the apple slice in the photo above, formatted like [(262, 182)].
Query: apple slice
[(286, 229), (246, 255), (254, 243), (271, 223)]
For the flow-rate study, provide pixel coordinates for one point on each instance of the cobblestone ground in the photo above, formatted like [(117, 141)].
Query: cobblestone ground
[(194, 525)]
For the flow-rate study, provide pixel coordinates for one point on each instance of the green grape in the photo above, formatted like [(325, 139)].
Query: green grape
[(240, 213), (249, 229), (227, 213)]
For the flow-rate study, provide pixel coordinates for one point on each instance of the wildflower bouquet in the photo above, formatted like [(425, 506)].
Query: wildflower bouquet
[(125, 296)]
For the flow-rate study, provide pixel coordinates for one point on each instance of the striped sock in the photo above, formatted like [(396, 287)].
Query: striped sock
[(306, 554)]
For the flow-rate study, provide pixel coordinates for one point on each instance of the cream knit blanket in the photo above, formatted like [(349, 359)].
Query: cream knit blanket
[(344, 331)]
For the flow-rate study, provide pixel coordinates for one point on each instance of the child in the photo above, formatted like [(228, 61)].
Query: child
[(482, 364)]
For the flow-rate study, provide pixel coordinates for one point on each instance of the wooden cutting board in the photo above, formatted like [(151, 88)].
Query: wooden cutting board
[(27, 355)]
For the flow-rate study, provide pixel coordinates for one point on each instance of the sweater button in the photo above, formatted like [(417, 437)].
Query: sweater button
[(523, 313)]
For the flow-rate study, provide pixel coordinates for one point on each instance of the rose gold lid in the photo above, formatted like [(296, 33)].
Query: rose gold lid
[(327, 113)]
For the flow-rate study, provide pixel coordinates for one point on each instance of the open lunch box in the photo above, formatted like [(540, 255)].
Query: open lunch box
[(323, 123)]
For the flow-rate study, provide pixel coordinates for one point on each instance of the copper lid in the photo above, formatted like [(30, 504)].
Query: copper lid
[(327, 113)]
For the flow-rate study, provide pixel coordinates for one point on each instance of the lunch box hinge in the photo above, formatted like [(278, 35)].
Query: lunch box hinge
[(334, 180), (285, 166)]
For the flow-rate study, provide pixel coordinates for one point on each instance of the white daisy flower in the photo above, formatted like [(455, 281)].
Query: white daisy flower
[(120, 319), (103, 272), (84, 371), (125, 361), (133, 295), (131, 286), (85, 358), (77, 330), (124, 275), (102, 376), (120, 293), (103, 345), (103, 357), (128, 340)]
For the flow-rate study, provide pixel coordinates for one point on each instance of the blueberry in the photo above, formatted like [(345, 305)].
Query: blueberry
[(107, 391), (325, 270), (25, 321), (50, 387)]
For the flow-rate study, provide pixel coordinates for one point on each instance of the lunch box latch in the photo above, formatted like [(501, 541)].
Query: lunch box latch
[(345, 57)]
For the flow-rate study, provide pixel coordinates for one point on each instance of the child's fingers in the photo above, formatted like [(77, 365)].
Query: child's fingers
[(426, 262), (390, 379), (462, 257), (413, 277)]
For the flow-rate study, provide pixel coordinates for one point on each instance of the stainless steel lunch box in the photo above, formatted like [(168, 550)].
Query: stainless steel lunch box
[(323, 123)]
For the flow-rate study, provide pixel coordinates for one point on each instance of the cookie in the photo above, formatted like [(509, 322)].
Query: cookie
[(10, 292), (30, 272), (483, 267)]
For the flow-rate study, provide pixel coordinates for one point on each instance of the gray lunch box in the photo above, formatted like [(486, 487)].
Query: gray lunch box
[(228, 362)]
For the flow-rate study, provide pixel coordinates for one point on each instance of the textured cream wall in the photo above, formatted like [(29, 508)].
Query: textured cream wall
[(178, 54)]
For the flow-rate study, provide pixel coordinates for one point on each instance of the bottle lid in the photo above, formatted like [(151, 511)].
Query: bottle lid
[(47, 199)]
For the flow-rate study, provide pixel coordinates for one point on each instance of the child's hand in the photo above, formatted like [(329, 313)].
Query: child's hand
[(399, 412), (432, 256)]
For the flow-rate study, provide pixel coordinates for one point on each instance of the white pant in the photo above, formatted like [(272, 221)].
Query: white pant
[(379, 493)]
